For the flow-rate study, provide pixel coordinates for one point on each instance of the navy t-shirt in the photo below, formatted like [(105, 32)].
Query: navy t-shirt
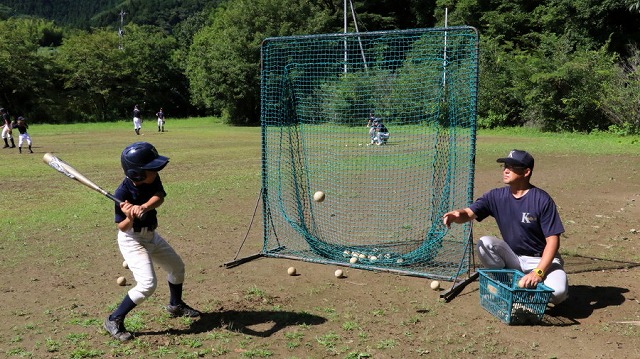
[(524, 222), (139, 195)]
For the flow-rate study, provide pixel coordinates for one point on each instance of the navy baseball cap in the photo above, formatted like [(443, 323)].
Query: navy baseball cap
[(518, 158)]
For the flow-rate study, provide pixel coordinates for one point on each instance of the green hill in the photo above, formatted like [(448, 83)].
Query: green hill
[(100, 13)]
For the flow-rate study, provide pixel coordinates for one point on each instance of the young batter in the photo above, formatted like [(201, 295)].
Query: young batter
[(141, 246)]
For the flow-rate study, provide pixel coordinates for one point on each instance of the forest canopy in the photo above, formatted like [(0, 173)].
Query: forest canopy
[(557, 65)]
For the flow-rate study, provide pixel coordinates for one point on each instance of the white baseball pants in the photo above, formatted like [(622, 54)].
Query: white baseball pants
[(24, 137), (5, 132), (142, 250), (496, 253)]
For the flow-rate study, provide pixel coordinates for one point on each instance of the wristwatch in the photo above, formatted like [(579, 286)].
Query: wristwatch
[(539, 272)]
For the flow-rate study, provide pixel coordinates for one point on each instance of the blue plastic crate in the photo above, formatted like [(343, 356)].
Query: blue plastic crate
[(501, 296)]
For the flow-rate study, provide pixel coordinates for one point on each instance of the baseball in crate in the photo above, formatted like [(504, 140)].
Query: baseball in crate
[(530, 227), (503, 297)]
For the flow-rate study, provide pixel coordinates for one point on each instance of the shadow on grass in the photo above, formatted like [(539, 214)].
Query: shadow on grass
[(582, 302), (255, 323)]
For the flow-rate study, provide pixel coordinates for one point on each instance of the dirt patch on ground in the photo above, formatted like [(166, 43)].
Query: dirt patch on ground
[(55, 309)]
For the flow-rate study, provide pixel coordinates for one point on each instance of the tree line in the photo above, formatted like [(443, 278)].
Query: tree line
[(558, 65)]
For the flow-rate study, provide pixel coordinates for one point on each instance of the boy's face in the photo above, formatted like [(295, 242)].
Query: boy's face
[(150, 177)]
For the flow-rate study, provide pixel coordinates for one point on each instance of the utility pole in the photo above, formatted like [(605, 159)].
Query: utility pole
[(121, 30), (355, 24)]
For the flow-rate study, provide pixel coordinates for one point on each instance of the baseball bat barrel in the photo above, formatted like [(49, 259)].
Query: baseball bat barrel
[(68, 170)]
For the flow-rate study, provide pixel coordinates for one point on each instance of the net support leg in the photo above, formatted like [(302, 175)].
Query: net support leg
[(239, 261), (458, 287), (236, 261)]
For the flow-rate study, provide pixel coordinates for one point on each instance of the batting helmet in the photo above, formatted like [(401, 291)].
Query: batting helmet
[(141, 156)]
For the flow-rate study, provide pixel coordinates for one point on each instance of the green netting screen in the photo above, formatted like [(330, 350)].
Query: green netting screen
[(384, 203)]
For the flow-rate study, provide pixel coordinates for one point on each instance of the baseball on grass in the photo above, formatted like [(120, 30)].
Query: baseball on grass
[(338, 273), (291, 271), (435, 285), (121, 281), (125, 265), (318, 196)]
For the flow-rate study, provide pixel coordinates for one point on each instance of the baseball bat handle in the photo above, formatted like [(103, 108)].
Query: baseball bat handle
[(112, 197), (118, 201)]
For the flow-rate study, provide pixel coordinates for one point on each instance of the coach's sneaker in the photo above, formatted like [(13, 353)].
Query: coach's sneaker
[(182, 310), (116, 329)]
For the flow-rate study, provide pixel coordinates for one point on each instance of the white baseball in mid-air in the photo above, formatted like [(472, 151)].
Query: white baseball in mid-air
[(125, 265), (318, 196), (338, 273), (291, 271), (435, 285), (121, 281)]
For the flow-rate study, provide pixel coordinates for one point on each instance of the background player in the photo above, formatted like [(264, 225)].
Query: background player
[(22, 127), (141, 245), (372, 127), (137, 119), (160, 116), (381, 134), (6, 128)]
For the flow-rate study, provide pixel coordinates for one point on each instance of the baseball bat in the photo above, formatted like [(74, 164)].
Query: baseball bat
[(68, 170)]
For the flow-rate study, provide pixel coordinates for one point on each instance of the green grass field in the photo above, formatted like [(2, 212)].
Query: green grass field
[(206, 158), (60, 259)]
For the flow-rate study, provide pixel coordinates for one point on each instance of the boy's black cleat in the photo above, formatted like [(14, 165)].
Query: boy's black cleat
[(116, 329), (182, 310)]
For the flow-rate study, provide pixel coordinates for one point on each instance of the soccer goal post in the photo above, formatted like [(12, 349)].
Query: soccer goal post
[(384, 200)]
